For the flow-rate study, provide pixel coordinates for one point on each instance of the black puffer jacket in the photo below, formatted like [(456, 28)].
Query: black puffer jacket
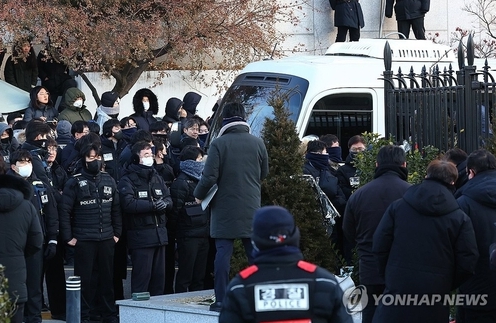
[(425, 245), (478, 200), (110, 156), (407, 9), (191, 220), (347, 13), (344, 173), (138, 188), (20, 232), (90, 209)]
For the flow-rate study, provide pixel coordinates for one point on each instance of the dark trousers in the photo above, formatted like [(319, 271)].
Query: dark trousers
[(87, 256), (19, 314), (170, 261), (470, 315), (34, 272), (193, 253), (148, 273), (208, 282), (55, 281), (342, 31), (417, 27), (222, 264), (368, 312)]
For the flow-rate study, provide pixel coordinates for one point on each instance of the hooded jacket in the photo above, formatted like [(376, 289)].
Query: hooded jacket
[(20, 232), (172, 110), (70, 112), (347, 14), (7, 145), (142, 117), (425, 245), (478, 200), (407, 9), (191, 100)]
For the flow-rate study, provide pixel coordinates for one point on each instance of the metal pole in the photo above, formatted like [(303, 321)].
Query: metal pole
[(73, 299)]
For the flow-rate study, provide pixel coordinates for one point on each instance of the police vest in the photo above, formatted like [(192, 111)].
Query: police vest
[(281, 297)]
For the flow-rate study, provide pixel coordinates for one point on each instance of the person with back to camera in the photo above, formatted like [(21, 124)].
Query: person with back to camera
[(348, 17), (280, 286), (21, 68), (409, 13)]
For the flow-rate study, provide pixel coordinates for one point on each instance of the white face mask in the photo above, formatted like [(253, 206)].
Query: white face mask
[(78, 103), (147, 161), (146, 105), (25, 171)]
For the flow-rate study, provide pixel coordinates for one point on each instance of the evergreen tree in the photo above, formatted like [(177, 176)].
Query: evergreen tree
[(284, 186), (6, 306)]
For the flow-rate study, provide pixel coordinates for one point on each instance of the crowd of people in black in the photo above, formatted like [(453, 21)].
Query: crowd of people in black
[(108, 192)]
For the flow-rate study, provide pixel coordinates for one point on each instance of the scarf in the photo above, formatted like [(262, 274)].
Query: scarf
[(231, 119), (335, 154), (192, 168), (401, 171), (319, 161)]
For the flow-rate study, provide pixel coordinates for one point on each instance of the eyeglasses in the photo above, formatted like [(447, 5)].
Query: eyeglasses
[(132, 125), (52, 148), (357, 149)]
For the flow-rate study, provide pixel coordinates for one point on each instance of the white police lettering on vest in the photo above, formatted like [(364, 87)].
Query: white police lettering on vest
[(281, 297)]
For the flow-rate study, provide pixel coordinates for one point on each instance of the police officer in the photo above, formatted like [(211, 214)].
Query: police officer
[(21, 165), (144, 201), (90, 220), (280, 286)]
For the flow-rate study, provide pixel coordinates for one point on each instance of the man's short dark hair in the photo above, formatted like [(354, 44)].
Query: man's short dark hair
[(455, 155), (12, 116), (78, 127), (190, 153), (94, 127), (316, 146), (19, 125), (356, 139), (233, 109), (108, 125), (329, 139), (125, 121), (481, 160), (442, 170), (88, 140), (159, 126), (35, 128), (139, 146), (391, 155), (86, 150), (20, 155), (141, 135)]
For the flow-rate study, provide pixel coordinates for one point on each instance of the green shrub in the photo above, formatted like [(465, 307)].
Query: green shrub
[(6, 306)]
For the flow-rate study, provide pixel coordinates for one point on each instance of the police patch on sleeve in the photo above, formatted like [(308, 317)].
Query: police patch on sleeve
[(83, 182), (108, 156), (158, 192), (107, 190), (142, 194), (281, 297)]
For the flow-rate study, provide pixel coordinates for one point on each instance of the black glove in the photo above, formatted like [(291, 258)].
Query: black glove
[(160, 205), (50, 251)]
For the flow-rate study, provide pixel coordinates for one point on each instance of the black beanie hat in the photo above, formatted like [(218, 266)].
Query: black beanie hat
[(273, 226), (109, 98)]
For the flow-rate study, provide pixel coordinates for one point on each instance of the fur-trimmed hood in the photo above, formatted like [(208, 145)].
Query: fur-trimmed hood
[(13, 189), (138, 104)]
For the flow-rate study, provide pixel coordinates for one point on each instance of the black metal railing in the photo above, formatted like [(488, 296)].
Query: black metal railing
[(445, 108)]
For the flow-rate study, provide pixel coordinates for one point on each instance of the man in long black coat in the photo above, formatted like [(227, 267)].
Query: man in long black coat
[(478, 200), (364, 211), (20, 236)]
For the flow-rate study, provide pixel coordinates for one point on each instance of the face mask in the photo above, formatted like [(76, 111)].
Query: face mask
[(25, 171), (5, 140), (42, 143), (147, 161), (94, 166), (129, 131), (78, 104), (118, 135), (146, 105)]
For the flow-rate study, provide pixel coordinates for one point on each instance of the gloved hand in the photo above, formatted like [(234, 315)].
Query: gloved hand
[(159, 205), (50, 251)]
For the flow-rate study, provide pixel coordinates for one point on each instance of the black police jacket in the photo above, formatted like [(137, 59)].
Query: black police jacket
[(90, 209), (139, 187), (283, 288)]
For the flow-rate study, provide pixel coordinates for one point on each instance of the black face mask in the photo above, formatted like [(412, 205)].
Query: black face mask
[(118, 135), (42, 143), (5, 140), (94, 166)]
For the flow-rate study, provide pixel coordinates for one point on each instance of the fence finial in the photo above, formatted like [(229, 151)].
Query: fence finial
[(470, 50), (461, 55), (387, 57)]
